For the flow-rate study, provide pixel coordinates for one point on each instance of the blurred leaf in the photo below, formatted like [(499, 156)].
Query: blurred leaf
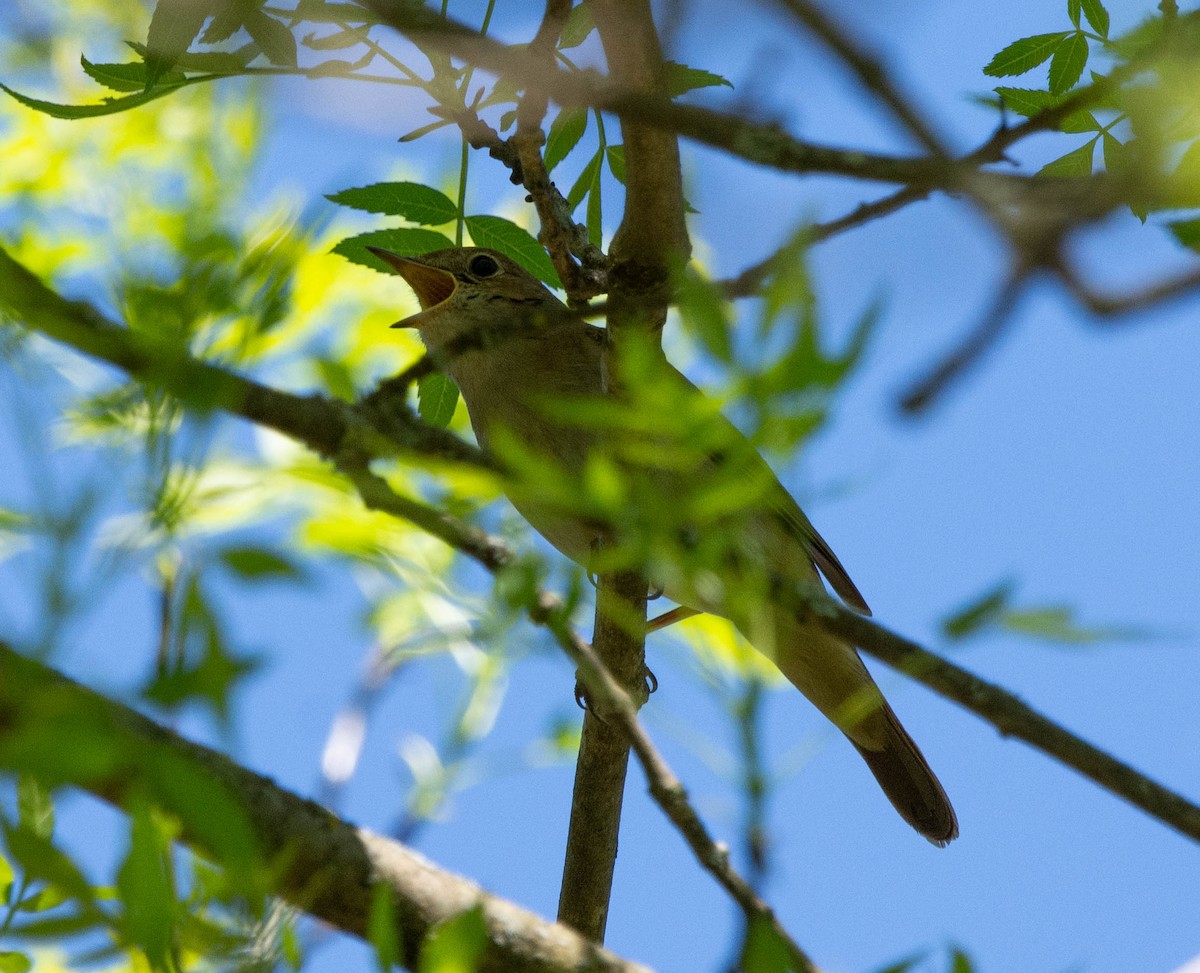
[(40, 859), (35, 806), (1186, 232), (50, 897), (1075, 164), (456, 945), (960, 962), (1097, 16), (764, 950), (323, 11), (1070, 58), (146, 889), (1057, 624), (983, 611), (1024, 55), (6, 877), (382, 928), (259, 564), (682, 79), (513, 241), (11, 962), (130, 76), (406, 241), (904, 965), (411, 200), (226, 22), (579, 24), (565, 132), (338, 40), (437, 398), (272, 37), (173, 26), (706, 314)]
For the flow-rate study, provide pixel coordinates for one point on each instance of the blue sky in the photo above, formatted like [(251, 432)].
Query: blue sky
[(1068, 462)]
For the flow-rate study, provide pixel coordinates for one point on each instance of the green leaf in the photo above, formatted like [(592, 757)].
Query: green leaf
[(382, 930), (320, 11), (173, 26), (595, 220), (411, 200), (146, 889), (978, 614), (1186, 232), (1097, 16), (338, 40), (960, 962), (1057, 624), (225, 23), (35, 807), (1073, 11), (513, 241), (565, 132), (259, 564), (1026, 101), (584, 183), (437, 398), (1078, 122), (273, 38), (109, 106), (1073, 165), (11, 962), (681, 79), (616, 162), (1024, 55), (6, 877), (1070, 58), (764, 950), (406, 241), (40, 859), (130, 76), (705, 314), (579, 24), (903, 965), (456, 945)]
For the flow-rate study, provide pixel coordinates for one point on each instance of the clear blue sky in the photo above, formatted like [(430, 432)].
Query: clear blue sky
[(1070, 462)]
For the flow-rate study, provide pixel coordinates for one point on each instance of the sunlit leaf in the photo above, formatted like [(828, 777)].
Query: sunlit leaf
[(456, 945), (513, 241), (1024, 55), (6, 877), (411, 200), (565, 132), (382, 928), (11, 962)]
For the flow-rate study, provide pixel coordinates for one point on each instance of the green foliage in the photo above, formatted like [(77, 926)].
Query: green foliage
[(437, 398), (412, 201), (513, 241), (994, 611), (682, 79), (456, 945), (565, 132)]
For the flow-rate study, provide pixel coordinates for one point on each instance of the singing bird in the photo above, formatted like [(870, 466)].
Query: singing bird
[(511, 346)]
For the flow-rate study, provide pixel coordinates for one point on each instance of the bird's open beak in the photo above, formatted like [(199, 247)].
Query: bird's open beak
[(430, 284)]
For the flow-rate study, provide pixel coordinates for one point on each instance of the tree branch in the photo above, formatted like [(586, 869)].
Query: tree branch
[(315, 860), (1006, 712)]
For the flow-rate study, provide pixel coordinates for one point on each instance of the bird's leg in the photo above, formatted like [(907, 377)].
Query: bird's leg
[(677, 614)]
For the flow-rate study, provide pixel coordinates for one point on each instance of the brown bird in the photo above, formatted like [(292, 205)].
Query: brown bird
[(511, 347)]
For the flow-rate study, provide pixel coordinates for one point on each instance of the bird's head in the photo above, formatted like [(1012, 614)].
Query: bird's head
[(461, 289)]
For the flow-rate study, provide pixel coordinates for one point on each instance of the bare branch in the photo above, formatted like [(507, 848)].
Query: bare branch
[(1006, 712), (318, 862)]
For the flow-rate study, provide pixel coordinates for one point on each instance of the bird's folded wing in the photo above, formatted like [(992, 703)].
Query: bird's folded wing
[(820, 552)]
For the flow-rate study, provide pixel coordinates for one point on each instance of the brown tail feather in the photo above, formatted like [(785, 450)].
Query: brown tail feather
[(910, 785)]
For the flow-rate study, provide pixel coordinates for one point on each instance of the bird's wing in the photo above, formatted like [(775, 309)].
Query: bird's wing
[(822, 555)]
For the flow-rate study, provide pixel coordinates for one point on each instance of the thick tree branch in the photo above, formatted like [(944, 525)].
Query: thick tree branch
[(316, 861)]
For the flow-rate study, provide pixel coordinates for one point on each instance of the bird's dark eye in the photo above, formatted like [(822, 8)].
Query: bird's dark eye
[(482, 265)]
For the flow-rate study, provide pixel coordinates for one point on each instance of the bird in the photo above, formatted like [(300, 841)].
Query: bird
[(512, 347)]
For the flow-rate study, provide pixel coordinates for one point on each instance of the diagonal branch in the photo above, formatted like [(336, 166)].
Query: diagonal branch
[(317, 861)]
